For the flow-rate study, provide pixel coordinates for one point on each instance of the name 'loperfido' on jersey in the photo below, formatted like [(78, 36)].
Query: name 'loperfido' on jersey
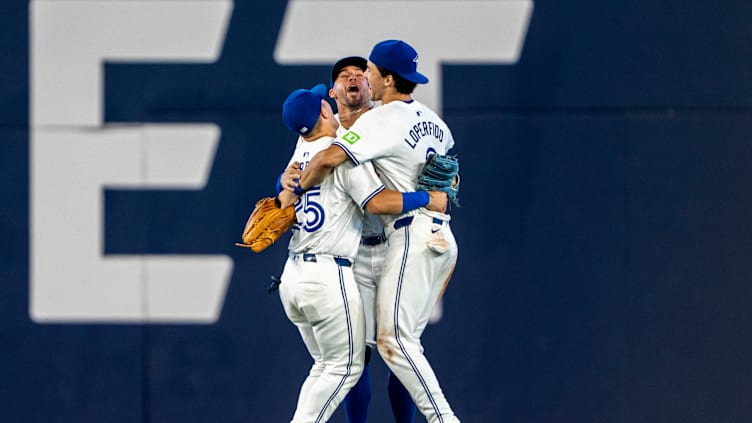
[(424, 129)]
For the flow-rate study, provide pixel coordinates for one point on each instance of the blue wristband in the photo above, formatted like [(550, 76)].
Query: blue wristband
[(280, 188), (414, 200), (299, 191)]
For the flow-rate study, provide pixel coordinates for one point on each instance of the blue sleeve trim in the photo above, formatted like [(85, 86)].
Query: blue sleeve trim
[(349, 154), (370, 197)]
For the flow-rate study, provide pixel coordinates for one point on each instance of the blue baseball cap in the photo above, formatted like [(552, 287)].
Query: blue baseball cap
[(301, 109), (399, 57)]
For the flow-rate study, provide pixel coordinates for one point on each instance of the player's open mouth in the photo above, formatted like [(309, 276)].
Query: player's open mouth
[(353, 89)]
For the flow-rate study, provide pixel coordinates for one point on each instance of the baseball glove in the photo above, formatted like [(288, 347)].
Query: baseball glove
[(441, 173), (266, 224)]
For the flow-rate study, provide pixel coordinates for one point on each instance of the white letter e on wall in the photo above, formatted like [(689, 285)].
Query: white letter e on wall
[(73, 157)]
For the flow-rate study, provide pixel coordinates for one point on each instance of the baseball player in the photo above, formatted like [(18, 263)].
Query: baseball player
[(397, 138), (350, 91), (318, 290)]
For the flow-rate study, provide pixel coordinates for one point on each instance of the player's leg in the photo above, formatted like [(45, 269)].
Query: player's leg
[(336, 315), (287, 295), (366, 267), (306, 333), (357, 400), (412, 282), (366, 270), (403, 407)]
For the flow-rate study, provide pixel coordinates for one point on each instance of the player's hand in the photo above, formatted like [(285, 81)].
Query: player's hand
[(438, 201), (291, 177), (286, 198)]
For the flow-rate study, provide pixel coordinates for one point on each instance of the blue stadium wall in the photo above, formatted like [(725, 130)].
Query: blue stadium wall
[(605, 270)]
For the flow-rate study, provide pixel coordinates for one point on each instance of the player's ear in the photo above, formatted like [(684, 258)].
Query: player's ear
[(332, 93), (326, 110), (389, 80)]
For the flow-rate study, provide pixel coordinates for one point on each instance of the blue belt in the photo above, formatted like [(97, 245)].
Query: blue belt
[(373, 240), (406, 221), (341, 261)]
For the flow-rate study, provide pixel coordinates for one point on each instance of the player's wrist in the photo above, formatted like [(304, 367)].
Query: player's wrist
[(299, 191), (414, 200)]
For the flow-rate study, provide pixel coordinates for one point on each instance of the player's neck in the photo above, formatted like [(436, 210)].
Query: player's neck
[(348, 116), (320, 133), (395, 96)]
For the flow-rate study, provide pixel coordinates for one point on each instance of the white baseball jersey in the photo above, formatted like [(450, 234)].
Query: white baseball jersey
[(371, 223), (397, 137), (329, 220)]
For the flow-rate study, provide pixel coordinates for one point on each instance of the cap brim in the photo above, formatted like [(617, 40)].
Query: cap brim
[(321, 90), (416, 77)]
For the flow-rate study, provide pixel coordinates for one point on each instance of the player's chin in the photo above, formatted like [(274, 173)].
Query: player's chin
[(355, 96)]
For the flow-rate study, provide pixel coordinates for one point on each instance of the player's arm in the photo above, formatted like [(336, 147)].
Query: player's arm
[(286, 198), (321, 165), (286, 184), (289, 179), (367, 190), (394, 202)]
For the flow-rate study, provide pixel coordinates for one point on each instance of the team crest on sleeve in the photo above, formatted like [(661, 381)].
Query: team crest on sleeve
[(351, 137)]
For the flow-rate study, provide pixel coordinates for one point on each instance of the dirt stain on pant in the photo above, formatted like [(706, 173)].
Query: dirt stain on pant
[(382, 344)]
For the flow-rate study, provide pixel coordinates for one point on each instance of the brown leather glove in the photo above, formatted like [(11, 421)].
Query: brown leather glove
[(266, 224)]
